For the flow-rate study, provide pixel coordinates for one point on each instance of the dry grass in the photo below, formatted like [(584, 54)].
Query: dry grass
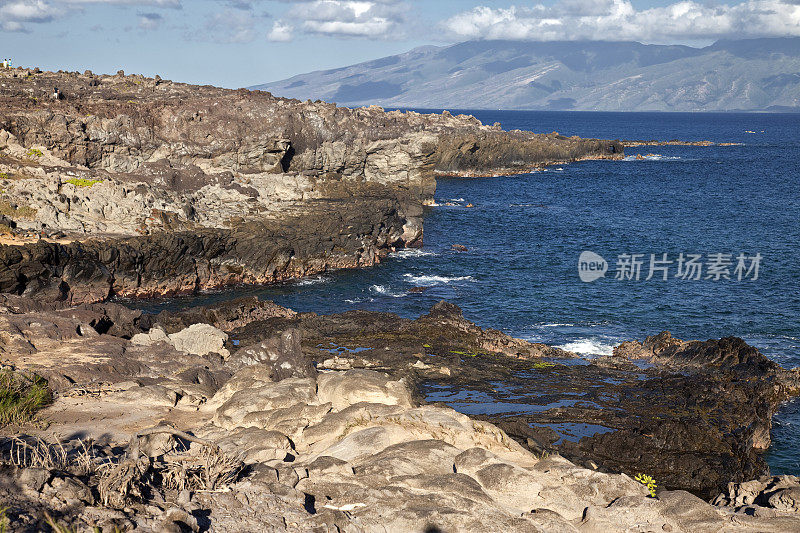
[(38, 453), (16, 211), (211, 470), (4, 521), (21, 396)]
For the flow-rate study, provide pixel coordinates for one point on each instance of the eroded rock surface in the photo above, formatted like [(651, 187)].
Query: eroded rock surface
[(214, 443)]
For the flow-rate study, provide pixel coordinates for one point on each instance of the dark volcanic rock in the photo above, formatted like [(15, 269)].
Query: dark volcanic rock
[(694, 426), (730, 353), (352, 235)]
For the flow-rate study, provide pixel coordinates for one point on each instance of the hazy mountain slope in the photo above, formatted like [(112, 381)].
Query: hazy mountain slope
[(754, 74)]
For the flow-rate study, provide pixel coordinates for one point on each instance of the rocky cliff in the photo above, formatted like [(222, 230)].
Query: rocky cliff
[(144, 186)]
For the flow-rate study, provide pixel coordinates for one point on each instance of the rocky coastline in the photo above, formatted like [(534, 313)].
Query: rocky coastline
[(249, 416), (246, 416), (143, 169)]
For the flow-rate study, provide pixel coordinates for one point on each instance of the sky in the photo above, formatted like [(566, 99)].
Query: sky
[(239, 43)]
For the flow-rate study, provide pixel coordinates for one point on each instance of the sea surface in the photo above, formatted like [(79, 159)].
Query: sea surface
[(525, 234)]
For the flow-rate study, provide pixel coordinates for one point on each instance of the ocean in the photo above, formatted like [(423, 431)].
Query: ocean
[(728, 215)]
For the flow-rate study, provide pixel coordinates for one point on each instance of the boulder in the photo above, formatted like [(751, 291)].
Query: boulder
[(200, 339), (343, 389), (255, 445), (247, 378), (282, 354), (290, 420), (334, 426), (410, 459), (154, 336), (266, 397)]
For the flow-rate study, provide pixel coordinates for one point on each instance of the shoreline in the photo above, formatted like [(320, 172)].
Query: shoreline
[(244, 412), (321, 397)]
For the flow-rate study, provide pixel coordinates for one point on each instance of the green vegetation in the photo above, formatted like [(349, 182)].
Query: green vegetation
[(14, 212), (82, 182), (34, 152), (426, 345), (21, 396), (648, 482), (539, 365), (3, 520), (466, 354), (4, 176)]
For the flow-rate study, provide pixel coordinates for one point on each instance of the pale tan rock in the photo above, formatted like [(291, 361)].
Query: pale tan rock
[(246, 378), (289, 420), (255, 445), (265, 397), (343, 389), (155, 335), (200, 339)]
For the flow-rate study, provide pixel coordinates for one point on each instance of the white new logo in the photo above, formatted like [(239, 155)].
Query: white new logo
[(591, 266)]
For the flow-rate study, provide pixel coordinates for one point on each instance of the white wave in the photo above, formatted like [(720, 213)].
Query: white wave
[(358, 300), (588, 347), (433, 280), (555, 325), (386, 291), (411, 252), (651, 157), (456, 199), (312, 280)]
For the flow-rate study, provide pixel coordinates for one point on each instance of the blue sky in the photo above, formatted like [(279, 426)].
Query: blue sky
[(237, 43)]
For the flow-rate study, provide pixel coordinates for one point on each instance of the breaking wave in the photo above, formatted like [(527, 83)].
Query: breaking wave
[(434, 280)]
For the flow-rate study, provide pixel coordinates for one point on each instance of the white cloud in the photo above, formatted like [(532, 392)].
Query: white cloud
[(619, 20), (377, 19), (156, 3), (15, 14), (281, 32)]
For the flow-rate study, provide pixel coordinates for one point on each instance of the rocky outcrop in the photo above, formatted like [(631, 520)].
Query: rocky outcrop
[(692, 428), (183, 441), (765, 497), (144, 187), (345, 236)]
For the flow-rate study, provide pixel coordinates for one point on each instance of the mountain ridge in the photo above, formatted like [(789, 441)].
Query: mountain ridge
[(729, 75)]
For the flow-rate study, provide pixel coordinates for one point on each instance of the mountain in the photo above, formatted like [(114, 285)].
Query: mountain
[(750, 75)]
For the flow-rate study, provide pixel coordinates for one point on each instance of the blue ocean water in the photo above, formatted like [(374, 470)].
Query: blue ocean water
[(525, 234)]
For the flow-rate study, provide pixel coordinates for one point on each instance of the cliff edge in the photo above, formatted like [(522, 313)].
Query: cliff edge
[(134, 186)]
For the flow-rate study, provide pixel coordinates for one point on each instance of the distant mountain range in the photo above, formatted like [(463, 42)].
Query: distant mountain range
[(734, 75)]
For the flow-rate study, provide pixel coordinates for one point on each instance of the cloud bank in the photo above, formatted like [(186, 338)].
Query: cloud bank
[(243, 21), (618, 20)]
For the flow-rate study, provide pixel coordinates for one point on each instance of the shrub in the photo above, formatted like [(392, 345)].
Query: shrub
[(648, 482), (82, 182), (34, 152), (21, 396)]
